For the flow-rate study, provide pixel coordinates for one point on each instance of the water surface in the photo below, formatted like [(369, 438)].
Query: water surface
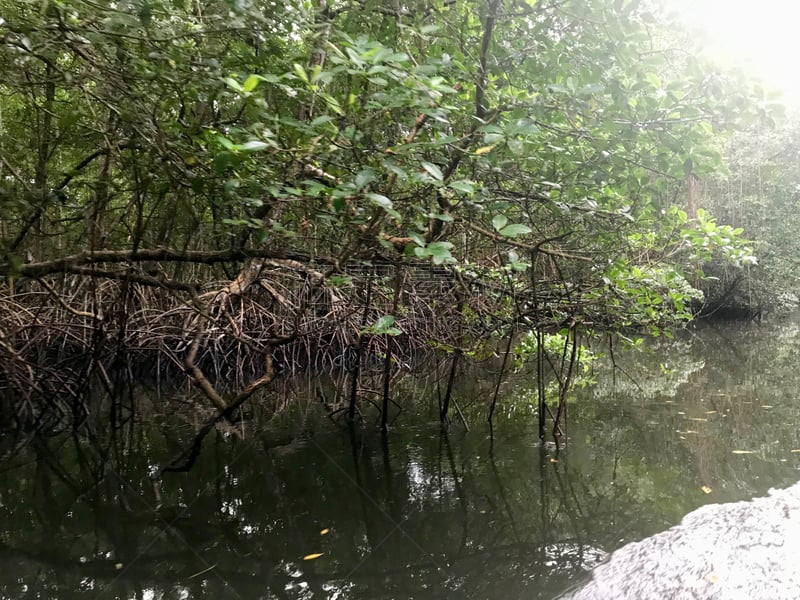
[(297, 505)]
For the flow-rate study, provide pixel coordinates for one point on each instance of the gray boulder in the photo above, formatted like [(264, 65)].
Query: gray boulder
[(737, 551)]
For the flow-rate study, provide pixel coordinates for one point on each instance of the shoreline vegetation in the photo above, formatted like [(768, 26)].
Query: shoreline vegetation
[(253, 188)]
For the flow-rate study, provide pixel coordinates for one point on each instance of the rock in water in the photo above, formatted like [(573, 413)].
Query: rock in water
[(737, 551)]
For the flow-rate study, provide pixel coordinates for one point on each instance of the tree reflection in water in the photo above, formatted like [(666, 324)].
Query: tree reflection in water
[(413, 514)]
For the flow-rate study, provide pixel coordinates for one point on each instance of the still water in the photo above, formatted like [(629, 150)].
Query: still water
[(297, 505)]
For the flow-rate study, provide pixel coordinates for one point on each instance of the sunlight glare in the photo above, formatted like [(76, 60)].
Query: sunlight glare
[(761, 38)]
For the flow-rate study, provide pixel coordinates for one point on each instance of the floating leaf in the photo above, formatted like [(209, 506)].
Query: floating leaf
[(553, 460), (325, 531), (706, 489), (314, 556), (712, 577)]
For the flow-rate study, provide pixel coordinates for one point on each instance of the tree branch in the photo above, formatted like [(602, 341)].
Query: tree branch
[(73, 262)]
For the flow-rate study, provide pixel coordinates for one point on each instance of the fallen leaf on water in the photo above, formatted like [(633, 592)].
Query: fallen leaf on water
[(313, 556), (553, 460), (742, 451), (325, 531), (706, 489)]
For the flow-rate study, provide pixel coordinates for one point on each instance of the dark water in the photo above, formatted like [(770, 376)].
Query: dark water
[(710, 417)]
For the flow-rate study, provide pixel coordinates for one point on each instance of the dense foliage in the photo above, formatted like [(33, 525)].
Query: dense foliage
[(759, 193), (538, 151)]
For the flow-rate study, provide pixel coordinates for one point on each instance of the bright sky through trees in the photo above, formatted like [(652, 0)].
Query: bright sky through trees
[(760, 37)]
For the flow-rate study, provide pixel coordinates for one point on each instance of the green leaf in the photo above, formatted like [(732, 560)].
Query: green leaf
[(384, 322), (385, 204), (524, 127), (433, 170), (366, 177), (253, 146), (340, 280), (222, 162), (380, 200), (332, 103), (300, 72), (499, 222), (440, 252), (512, 231), (321, 120), (383, 326), (233, 84), (251, 83), (462, 185), (418, 239)]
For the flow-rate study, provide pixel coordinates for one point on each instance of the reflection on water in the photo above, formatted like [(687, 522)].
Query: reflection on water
[(294, 505)]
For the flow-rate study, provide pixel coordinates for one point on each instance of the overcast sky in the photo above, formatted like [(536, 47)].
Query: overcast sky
[(762, 36)]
